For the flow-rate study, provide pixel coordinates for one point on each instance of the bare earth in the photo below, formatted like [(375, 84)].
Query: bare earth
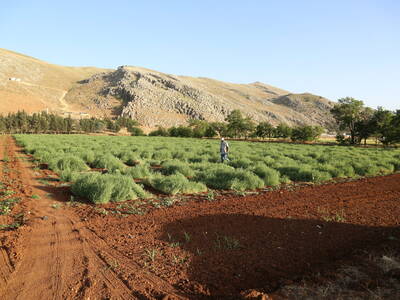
[(231, 247)]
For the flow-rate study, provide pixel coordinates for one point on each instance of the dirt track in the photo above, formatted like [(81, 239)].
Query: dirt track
[(193, 250), (56, 256)]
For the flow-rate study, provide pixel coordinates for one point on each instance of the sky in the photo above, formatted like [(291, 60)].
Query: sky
[(330, 48)]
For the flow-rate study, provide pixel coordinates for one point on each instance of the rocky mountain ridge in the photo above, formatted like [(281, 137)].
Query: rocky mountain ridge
[(151, 97)]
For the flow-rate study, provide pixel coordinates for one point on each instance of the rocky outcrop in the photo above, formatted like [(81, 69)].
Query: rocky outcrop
[(155, 98)]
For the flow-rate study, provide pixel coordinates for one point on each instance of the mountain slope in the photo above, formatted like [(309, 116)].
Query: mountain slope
[(151, 97), (36, 85)]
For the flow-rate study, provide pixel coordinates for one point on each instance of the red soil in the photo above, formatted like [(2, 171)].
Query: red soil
[(195, 249)]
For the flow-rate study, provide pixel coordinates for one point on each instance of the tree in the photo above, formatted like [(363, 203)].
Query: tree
[(219, 127), (347, 113), (264, 129), (364, 127), (238, 125), (160, 131), (306, 133), (283, 131), (386, 126)]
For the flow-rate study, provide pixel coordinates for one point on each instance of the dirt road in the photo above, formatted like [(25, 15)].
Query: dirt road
[(56, 256)]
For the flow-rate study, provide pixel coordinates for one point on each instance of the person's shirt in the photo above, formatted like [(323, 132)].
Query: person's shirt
[(224, 147)]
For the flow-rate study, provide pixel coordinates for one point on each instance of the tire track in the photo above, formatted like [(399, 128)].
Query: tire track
[(62, 259)]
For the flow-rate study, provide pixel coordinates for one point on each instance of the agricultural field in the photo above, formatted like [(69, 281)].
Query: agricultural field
[(98, 217), (115, 169)]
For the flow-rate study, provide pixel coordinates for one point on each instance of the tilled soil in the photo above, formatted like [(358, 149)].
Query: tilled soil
[(195, 249)]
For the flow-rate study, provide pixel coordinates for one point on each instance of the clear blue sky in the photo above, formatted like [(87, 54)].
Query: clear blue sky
[(330, 48)]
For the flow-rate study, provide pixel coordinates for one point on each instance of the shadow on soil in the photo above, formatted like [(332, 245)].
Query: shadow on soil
[(234, 253)]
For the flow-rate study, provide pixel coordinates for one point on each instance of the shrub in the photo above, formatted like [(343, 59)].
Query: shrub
[(365, 169), (139, 172), (69, 176), (88, 156), (130, 158), (68, 162), (243, 163), (175, 166), (44, 156), (162, 154), (176, 184), (136, 131), (224, 178), (104, 188), (109, 162), (268, 175)]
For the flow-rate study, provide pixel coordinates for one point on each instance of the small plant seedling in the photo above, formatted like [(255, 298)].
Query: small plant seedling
[(35, 197), (177, 260), (210, 196), (102, 211), (227, 243), (56, 205), (186, 236), (151, 254)]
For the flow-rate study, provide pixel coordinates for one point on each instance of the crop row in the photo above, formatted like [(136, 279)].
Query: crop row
[(184, 165)]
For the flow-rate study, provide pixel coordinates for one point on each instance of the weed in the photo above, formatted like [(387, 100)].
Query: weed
[(7, 193), (186, 236), (7, 205), (177, 260), (35, 197), (102, 211), (151, 254), (227, 243), (210, 196)]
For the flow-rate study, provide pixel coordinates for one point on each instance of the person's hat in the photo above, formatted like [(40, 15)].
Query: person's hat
[(222, 139)]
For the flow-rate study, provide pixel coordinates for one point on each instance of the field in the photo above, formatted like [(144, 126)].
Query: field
[(161, 218), (186, 166)]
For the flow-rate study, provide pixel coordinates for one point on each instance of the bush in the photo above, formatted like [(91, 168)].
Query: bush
[(44, 156), (68, 162), (175, 166), (305, 173), (162, 154), (139, 172), (88, 156), (243, 163), (159, 132), (136, 131), (220, 177), (130, 158), (176, 184), (105, 188), (109, 162), (69, 176), (268, 175)]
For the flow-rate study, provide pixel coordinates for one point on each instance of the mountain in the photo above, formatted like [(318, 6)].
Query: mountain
[(29, 84), (151, 97)]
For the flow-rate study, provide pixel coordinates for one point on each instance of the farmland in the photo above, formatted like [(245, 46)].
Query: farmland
[(186, 166), (162, 218)]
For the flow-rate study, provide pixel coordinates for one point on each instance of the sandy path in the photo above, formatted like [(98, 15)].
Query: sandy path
[(59, 258)]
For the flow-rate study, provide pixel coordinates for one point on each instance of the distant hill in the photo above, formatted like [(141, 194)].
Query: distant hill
[(151, 97)]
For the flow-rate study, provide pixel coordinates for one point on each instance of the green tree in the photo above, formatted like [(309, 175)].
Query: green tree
[(306, 133), (347, 113), (264, 129), (283, 131), (238, 125)]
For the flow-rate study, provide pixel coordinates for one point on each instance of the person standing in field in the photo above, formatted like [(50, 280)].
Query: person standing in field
[(224, 149)]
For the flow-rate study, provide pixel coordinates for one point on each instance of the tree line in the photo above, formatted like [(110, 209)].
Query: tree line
[(43, 122), (238, 126), (356, 123), (361, 123)]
